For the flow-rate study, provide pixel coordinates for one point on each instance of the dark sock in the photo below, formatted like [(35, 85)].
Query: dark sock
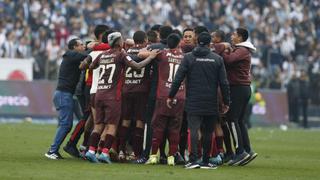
[(86, 137), (122, 134), (77, 132), (173, 143), (163, 146), (137, 141), (199, 149), (100, 146), (108, 141), (93, 140), (219, 143), (156, 140), (214, 150)]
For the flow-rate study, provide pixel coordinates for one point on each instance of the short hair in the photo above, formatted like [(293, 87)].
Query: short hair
[(187, 29), (99, 29), (243, 33), (72, 43), (156, 27), (220, 34), (199, 29), (178, 32), (139, 37), (165, 31), (173, 40), (152, 36), (106, 34)]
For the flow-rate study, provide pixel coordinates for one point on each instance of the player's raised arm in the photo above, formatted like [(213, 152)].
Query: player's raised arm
[(85, 63), (135, 65)]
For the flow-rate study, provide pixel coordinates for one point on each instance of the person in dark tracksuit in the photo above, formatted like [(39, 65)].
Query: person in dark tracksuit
[(204, 71), (237, 60)]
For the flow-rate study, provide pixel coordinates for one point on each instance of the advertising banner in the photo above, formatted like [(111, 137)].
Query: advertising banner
[(21, 98), (16, 69), (271, 107)]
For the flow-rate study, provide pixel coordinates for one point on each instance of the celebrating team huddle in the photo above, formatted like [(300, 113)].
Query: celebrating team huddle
[(189, 89)]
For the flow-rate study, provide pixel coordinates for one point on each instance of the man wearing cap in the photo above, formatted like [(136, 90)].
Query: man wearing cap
[(108, 96), (204, 71)]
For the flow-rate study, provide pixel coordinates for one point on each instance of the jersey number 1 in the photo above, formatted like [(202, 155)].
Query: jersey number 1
[(172, 71)]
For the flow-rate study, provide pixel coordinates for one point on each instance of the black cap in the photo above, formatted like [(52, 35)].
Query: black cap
[(204, 38)]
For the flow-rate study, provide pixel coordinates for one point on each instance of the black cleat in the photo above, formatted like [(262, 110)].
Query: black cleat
[(72, 150), (238, 159), (53, 155), (252, 156)]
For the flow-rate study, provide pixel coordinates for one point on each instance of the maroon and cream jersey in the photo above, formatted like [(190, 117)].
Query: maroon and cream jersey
[(136, 80), (111, 64), (169, 61)]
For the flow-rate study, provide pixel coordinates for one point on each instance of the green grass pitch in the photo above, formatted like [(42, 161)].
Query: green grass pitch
[(292, 154)]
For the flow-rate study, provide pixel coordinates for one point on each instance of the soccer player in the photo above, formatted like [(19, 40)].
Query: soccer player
[(96, 47), (168, 120), (108, 97), (165, 31), (134, 100), (221, 130), (204, 71), (69, 74), (152, 37), (238, 63)]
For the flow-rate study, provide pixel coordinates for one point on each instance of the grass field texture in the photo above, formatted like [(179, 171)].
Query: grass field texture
[(292, 154)]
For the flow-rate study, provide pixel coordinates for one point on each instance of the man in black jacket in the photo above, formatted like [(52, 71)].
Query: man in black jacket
[(204, 71), (69, 74)]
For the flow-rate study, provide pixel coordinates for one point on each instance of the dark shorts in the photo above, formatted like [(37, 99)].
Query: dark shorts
[(92, 100), (107, 111), (134, 106), (163, 117)]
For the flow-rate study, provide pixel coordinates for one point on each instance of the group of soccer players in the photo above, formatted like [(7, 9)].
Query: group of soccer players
[(126, 112)]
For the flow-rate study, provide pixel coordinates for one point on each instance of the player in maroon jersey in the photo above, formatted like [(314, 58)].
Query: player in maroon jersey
[(164, 118), (134, 99), (108, 96)]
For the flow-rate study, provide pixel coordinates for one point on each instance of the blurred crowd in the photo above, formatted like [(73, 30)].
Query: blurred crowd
[(285, 32)]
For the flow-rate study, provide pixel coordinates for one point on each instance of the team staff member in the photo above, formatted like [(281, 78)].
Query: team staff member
[(69, 74), (238, 63), (204, 71)]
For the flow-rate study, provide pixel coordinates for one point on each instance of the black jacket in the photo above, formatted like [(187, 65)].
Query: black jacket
[(69, 71), (205, 71)]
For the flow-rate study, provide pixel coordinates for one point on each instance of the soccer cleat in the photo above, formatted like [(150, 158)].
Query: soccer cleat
[(113, 155), (192, 165), (82, 152), (253, 155), (53, 155), (91, 157), (104, 158), (142, 160), (170, 161), (238, 159), (208, 166), (122, 156), (227, 158), (178, 159), (163, 160), (216, 160), (131, 157), (72, 151), (153, 159)]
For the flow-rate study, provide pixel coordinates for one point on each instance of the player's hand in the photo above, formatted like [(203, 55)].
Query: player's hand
[(154, 53), (224, 109), (226, 45), (169, 101)]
